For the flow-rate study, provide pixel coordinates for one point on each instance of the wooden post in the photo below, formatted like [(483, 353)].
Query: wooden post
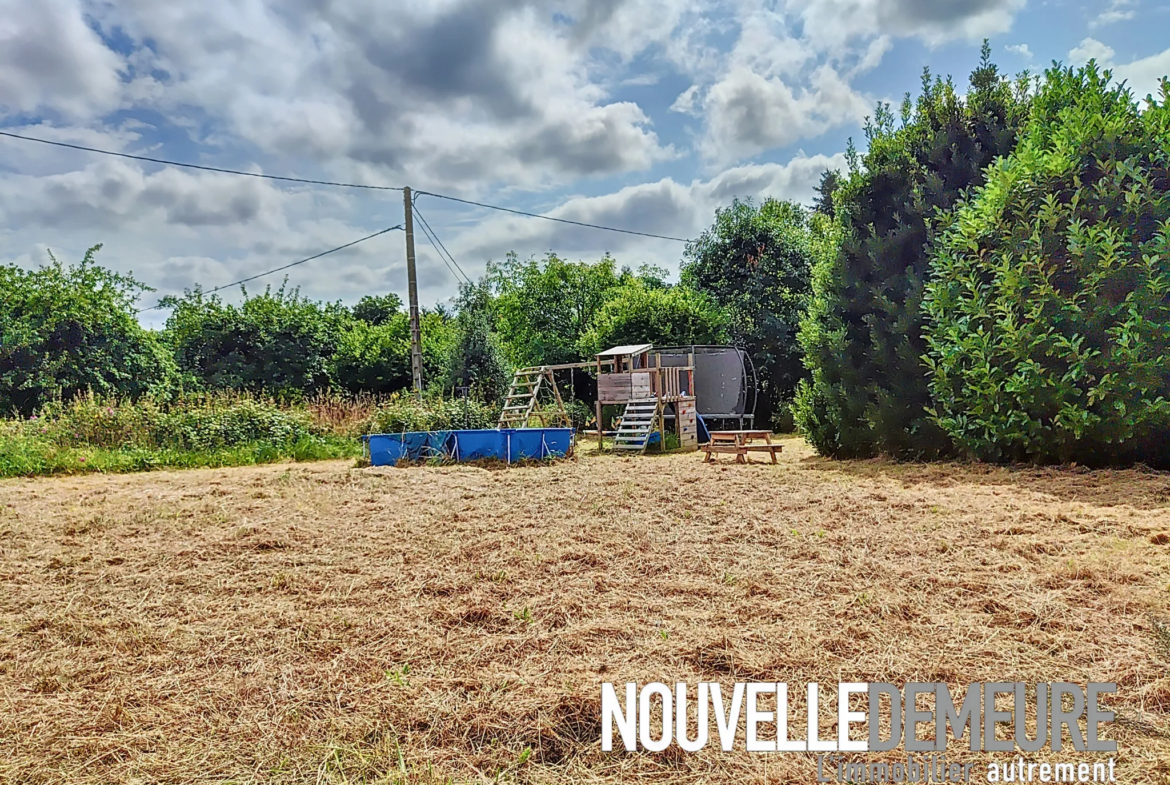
[(412, 296), (600, 431)]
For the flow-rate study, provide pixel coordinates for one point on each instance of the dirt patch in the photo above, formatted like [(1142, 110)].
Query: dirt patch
[(431, 624)]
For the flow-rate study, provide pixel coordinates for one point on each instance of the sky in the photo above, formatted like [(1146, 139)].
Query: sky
[(645, 115)]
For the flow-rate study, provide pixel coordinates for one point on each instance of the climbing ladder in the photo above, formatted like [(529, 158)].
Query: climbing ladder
[(640, 419), (524, 395)]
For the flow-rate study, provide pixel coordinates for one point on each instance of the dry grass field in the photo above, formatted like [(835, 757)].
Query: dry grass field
[(322, 623)]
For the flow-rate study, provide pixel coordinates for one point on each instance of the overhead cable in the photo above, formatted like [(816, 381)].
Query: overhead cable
[(551, 218), (433, 236), (287, 266), (165, 162)]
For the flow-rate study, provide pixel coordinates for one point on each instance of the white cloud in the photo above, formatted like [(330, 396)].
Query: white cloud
[(834, 23), (51, 61), (873, 54), (500, 99), (1091, 49), (437, 93), (687, 102), (788, 75), (1144, 76), (1021, 49), (748, 113), (1118, 11), (113, 195)]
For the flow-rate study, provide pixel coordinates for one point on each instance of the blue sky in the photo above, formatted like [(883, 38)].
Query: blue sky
[(643, 114)]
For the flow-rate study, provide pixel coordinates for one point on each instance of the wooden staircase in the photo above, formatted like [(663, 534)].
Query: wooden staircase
[(524, 395), (638, 422)]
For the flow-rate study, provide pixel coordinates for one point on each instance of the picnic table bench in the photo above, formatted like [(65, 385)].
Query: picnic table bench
[(739, 444)]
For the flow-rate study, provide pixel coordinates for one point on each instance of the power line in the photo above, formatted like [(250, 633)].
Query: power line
[(432, 233), (551, 218), (198, 166), (166, 162), (431, 239), (285, 267)]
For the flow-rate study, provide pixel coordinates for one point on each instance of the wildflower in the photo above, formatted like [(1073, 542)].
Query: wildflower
[(81, 459)]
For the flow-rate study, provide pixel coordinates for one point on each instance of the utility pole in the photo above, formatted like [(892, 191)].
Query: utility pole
[(412, 284)]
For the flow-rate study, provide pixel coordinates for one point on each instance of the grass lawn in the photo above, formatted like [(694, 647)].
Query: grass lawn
[(323, 623)]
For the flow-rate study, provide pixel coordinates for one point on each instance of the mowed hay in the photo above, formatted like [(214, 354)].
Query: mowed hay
[(321, 623)]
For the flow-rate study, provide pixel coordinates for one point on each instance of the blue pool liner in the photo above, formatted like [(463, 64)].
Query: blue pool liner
[(508, 445)]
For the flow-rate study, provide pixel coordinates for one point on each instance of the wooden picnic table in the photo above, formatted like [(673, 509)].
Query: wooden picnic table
[(739, 444)]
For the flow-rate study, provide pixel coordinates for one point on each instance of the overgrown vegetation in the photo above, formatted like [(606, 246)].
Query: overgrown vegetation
[(90, 434), (1001, 287), (68, 329), (434, 413)]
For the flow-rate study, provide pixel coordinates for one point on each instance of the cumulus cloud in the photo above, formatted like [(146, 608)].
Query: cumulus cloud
[(665, 207), (1143, 76), (52, 61), (112, 194), (1091, 49), (834, 23), (687, 101), (474, 97), (788, 76), (439, 92), (1021, 49), (748, 113)]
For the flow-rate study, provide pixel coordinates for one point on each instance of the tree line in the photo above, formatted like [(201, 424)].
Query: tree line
[(989, 279), (72, 328)]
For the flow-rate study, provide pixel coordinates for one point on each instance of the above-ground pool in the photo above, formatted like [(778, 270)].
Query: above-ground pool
[(506, 444)]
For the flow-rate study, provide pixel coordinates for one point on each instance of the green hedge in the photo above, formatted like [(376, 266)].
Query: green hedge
[(1049, 308)]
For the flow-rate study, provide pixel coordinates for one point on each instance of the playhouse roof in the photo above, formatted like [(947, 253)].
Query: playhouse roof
[(630, 349)]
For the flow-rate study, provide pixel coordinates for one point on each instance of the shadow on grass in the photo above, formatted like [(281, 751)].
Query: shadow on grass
[(1139, 487)]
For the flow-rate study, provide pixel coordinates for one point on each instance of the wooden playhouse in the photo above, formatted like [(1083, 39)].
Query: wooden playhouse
[(650, 393), (652, 390)]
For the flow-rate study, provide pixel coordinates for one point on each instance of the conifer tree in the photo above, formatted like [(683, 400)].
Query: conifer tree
[(867, 393)]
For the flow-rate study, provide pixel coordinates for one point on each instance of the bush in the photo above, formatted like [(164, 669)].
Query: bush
[(69, 329), (868, 391), (542, 307), (403, 412), (374, 358), (276, 342), (1049, 312), (373, 351), (206, 422), (474, 359)]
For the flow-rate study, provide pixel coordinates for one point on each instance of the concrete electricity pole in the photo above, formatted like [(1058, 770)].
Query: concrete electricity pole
[(412, 283)]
